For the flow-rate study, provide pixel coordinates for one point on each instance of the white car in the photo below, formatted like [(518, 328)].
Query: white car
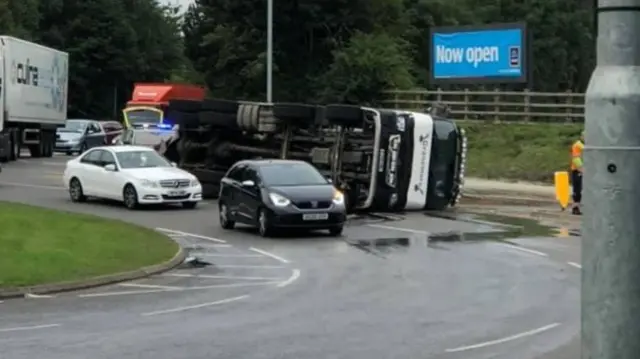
[(134, 175)]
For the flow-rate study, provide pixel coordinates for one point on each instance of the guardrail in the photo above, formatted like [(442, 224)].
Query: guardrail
[(496, 105)]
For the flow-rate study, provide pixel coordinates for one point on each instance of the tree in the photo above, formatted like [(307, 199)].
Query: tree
[(365, 68)]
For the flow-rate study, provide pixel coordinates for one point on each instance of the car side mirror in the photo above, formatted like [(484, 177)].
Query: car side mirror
[(248, 183), (173, 164), (110, 167), (329, 180)]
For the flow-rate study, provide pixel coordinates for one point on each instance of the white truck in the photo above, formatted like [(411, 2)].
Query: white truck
[(33, 97)]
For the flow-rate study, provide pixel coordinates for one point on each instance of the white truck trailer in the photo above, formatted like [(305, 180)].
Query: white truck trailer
[(33, 97)]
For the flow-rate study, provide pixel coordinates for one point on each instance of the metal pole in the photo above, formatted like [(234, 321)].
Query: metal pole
[(611, 226), (269, 50)]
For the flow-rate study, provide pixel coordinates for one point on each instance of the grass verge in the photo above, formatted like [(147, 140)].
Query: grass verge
[(525, 152), (40, 246)]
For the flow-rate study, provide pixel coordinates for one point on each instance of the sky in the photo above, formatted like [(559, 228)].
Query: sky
[(183, 3)]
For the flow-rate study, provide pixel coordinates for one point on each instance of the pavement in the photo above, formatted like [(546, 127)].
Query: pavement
[(492, 192), (386, 289)]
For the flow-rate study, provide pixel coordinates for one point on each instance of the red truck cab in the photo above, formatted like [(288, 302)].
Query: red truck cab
[(149, 102)]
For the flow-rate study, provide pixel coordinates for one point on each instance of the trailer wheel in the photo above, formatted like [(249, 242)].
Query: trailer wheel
[(48, 143), (218, 119), (15, 144), (295, 112), (220, 106), (185, 106), (344, 115)]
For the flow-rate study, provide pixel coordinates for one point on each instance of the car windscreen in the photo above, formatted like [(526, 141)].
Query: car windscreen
[(141, 159), (136, 117), (74, 126), (291, 174)]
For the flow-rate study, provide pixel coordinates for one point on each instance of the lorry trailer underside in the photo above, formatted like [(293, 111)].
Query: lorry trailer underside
[(383, 160)]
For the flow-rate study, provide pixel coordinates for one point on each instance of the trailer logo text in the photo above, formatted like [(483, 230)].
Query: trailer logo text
[(24, 73)]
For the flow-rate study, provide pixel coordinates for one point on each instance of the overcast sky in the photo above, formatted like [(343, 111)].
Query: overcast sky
[(183, 3)]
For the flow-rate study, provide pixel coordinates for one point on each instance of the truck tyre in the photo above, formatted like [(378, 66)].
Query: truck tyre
[(34, 151), (15, 145), (219, 119), (220, 106), (345, 115), (185, 106), (295, 112), (49, 143)]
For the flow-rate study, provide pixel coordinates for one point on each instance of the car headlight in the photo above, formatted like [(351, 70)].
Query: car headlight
[(279, 200), (149, 183), (338, 197), (195, 183)]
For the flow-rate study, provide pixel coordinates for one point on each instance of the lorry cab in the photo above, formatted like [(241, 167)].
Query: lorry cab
[(149, 102)]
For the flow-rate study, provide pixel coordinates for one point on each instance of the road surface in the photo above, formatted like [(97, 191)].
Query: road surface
[(381, 291)]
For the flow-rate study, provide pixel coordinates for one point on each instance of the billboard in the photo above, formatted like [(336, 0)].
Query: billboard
[(479, 54)]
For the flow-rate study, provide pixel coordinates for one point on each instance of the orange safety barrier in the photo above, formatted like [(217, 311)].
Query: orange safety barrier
[(563, 189)]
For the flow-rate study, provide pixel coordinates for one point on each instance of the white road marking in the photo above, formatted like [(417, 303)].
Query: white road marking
[(198, 306), (207, 238), (58, 188), (294, 276), (269, 254), (574, 264), (36, 296), (206, 276), (185, 289), (35, 327), (408, 230), (196, 254), (246, 266), (504, 340), (149, 286), (526, 250)]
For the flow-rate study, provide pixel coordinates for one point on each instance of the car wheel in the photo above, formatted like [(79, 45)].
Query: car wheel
[(225, 219), (336, 231), (130, 197), (75, 191), (264, 227), (69, 153), (189, 204)]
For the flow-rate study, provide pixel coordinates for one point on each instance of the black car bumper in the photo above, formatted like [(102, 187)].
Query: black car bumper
[(297, 219)]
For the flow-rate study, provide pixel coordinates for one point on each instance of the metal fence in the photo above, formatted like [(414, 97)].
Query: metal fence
[(496, 105)]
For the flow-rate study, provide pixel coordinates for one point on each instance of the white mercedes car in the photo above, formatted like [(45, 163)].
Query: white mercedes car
[(134, 175)]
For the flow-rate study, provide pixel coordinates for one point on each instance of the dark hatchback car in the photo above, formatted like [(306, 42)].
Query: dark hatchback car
[(280, 194)]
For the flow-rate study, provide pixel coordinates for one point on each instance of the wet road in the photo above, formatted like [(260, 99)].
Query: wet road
[(381, 291)]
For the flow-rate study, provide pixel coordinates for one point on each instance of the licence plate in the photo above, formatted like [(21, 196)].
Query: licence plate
[(315, 216), (177, 193)]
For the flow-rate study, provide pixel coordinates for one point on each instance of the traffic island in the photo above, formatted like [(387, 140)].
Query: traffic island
[(44, 251)]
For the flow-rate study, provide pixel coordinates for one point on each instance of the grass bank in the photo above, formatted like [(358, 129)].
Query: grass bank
[(40, 246), (525, 152)]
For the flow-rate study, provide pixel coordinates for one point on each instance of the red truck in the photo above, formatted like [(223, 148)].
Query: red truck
[(149, 101)]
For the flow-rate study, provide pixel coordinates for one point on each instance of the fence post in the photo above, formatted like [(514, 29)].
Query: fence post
[(496, 107), (466, 103), (418, 101), (396, 100), (568, 109), (527, 105)]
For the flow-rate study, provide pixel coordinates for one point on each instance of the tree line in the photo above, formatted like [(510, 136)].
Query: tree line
[(324, 51)]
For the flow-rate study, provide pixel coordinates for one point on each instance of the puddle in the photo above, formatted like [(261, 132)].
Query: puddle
[(512, 227)]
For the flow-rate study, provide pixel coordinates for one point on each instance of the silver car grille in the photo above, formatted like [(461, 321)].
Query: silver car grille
[(174, 183)]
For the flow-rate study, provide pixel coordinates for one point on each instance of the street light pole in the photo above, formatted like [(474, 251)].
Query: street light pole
[(269, 51), (610, 227)]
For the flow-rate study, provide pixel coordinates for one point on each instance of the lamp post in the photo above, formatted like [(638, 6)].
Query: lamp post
[(269, 51)]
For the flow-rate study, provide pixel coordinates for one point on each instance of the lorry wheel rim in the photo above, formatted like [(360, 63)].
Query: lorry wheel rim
[(262, 218), (223, 214)]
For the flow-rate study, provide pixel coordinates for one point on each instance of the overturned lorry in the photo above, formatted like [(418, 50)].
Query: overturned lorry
[(384, 160)]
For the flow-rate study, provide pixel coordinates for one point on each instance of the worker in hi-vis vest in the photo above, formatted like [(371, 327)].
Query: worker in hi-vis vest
[(576, 173)]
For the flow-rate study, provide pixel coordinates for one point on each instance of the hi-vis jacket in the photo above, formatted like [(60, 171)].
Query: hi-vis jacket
[(576, 155)]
